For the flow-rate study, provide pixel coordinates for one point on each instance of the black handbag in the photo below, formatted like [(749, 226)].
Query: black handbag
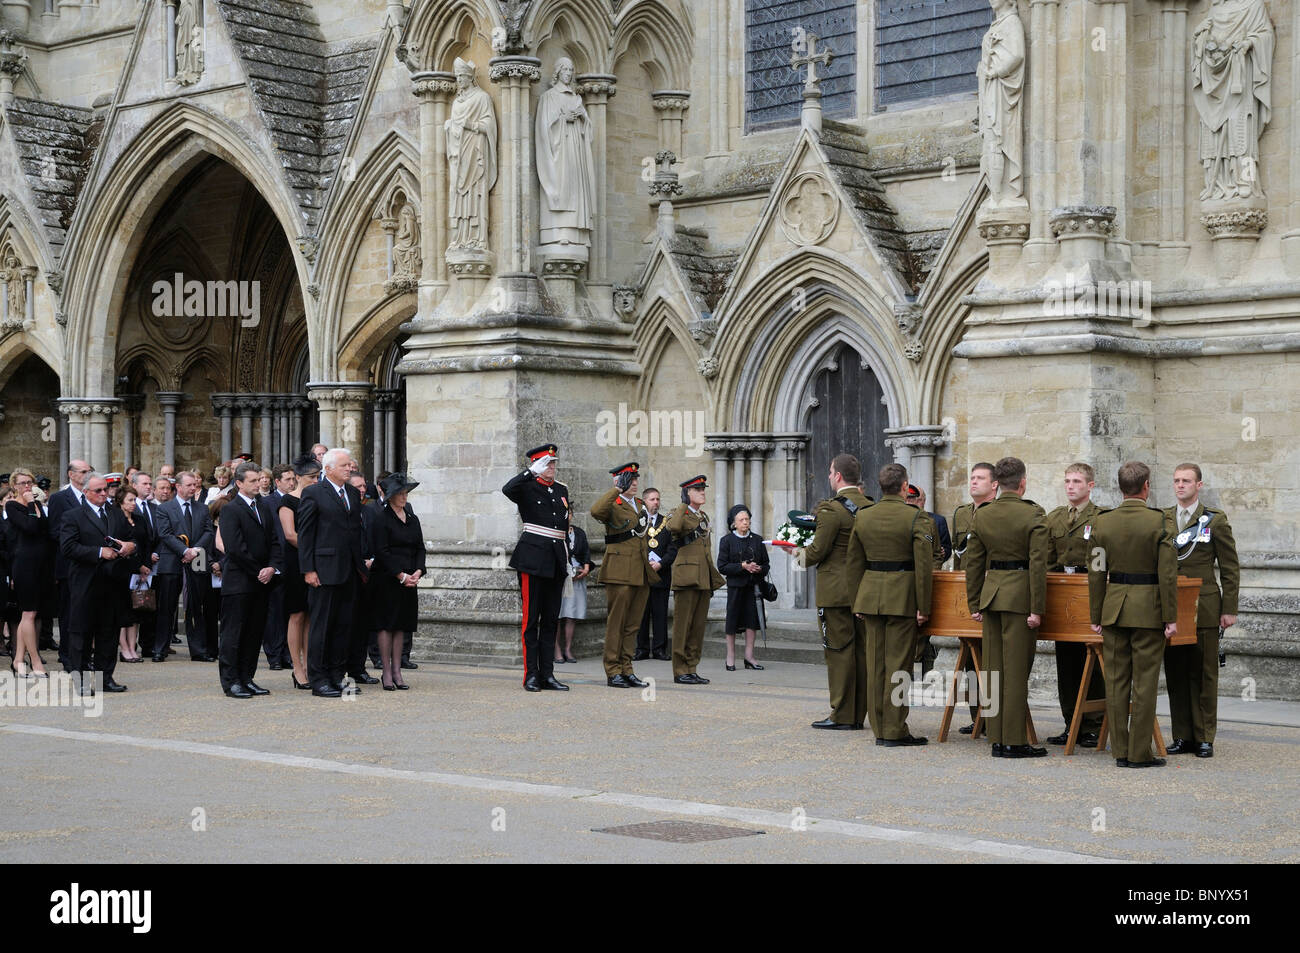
[(768, 589)]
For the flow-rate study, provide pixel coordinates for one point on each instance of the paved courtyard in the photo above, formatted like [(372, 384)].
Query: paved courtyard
[(468, 767)]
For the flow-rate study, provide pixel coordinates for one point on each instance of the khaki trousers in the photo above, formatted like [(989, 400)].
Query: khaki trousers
[(626, 605), (690, 613)]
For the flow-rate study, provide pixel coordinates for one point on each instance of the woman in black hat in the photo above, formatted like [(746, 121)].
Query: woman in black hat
[(742, 558), (398, 544), (306, 470)]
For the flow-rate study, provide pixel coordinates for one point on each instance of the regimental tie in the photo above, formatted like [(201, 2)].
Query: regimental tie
[(1074, 515), (1184, 517), (344, 497)]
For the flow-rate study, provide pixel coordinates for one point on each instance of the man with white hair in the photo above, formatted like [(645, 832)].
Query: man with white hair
[(330, 558)]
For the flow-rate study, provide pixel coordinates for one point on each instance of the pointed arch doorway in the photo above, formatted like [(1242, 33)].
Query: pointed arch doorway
[(847, 413)]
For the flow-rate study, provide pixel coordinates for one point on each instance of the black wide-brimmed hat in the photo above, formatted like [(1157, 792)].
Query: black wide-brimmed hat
[(736, 511), (396, 483)]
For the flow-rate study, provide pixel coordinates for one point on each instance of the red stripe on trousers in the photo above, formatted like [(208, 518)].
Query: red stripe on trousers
[(523, 629)]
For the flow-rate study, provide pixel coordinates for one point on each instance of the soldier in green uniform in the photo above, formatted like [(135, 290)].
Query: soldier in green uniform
[(695, 579), (983, 488), (894, 545), (1202, 537), (1132, 594), (844, 636), (1006, 590), (625, 572), (1069, 537)]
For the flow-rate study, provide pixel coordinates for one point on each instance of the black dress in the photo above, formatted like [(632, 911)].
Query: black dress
[(124, 567), (30, 545), (295, 589), (742, 588), (398, 548)]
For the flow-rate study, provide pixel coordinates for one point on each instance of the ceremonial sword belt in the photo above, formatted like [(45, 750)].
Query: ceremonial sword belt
[(1008, 563), (906, 566), (1135, 578), (546, 531), (611, 539), (698, 533)]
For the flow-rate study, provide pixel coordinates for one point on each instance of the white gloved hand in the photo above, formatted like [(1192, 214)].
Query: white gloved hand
[(540, 464)]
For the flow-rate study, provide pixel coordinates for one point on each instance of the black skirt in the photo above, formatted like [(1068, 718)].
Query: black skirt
[(742, 609)]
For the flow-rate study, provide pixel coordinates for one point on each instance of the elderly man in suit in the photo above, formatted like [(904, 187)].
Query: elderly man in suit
[(85, 538), (251, 548), (66, 499), (330, 542)]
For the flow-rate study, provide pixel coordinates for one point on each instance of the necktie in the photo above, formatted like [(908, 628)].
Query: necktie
[(253, 507), (189, 522), (344, 497), (144, 511), (1184, 517), (1074, 514)]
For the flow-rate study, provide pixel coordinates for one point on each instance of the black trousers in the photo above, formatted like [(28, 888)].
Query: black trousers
[(65, 616), (656, 615), (97, 642), (198, 593), (168, 589), (243, 617), (330, 627), (275, 634), (541, 617)]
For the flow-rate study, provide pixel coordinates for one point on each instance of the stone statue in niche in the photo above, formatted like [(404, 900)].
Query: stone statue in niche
[(1232, 87), (189, 43), (406, 245), (1001, 76), (15, 287), (472, 160), (565, 166)]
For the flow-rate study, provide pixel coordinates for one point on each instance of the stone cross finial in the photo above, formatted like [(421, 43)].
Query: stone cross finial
[(810, 117)]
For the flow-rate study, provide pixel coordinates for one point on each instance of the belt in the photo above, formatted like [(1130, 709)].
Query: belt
[(1008, 563), (618, 538), (891, 567), (546, 531), (1135, 578)]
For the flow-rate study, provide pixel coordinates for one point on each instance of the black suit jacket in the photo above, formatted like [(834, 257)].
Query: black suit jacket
[(60, 503), (945, 540), (171, 527), (732, 551), (542, 506), (330, 537), (90, 578), (249, 546), (665, 548)]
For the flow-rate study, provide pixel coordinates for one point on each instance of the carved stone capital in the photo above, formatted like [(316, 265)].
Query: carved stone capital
[(596, 85), (1235, 223), (1083, 221), (922, 439), (401, 285), (223, 404), (433, 83), (670, 100), (504, 68)]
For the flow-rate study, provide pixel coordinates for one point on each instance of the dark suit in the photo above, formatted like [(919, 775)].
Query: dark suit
[(275, 638), (250, 544), (661, 543), (92, 626), (195, 584), (330, 541), (147, 510), (61, 502)]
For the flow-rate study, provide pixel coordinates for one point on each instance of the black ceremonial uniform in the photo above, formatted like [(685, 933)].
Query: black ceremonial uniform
[(660, 542), (541, 558)]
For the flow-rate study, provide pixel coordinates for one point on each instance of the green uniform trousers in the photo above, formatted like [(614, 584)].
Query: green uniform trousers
[(844, 639), (1132, 660), (891, 642), (626, 606), (1009, 646), (1070, 657), (1192, 680), (690, 613)]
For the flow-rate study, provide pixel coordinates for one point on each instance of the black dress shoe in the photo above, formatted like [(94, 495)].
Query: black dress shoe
[(112, 686), (832, 725), (275, 666), (635, 682), (409, 665), (1121, 762), (364, 679), (967, 730), (238, 691), (1088, 739), (176, 640), (640, 656), (661, 657), (531, 684), (203, 658), (996, 750), (328, 691), (1060, 739), (1023, 751), (160, 658), (1153, 763), (1205, 749), (690, 678), (907, 741), (552, 684), (617, 681), (255, 688), (1181, 747)]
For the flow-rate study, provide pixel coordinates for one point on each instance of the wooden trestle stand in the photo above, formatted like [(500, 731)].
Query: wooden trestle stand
[(1066, 620)]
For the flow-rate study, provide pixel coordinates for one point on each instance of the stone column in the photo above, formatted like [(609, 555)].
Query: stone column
[(264, 403), (297, 407), (390, 429), (515, 74), (170, 401), (246, 406), (131, 406), (596, 90), (61, 421), (737, 479), (433, 89), (342, 414), (1171, 73), (794, 594), (282, 426), (670, 104), (756, 452), (919, 443), (1040, 130), (95, 430), (377, 430), (719, 69), (224, 405), (721, 451), (169, 28)]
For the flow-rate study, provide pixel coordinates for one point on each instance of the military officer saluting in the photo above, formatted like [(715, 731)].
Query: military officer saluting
[(1006, 590), (844, 636), (541, 558), (1069, 539), (1202, 538), (983, 488), (695, 579), (625, 572), (1133, 603), (893, 543)]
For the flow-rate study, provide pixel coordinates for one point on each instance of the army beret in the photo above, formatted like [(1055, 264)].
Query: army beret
[(695, 481), (545, 450), (624, 467), (802, 519)]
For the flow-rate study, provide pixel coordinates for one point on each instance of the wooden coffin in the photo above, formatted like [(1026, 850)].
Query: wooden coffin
[(1066, 619)]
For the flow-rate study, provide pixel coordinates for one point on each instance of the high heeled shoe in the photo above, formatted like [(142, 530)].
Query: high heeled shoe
[(298, 684), (401, 686), (754, 665), (731, 668), (384, 683)]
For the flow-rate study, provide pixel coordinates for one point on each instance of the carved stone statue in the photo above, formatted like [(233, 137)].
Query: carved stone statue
[(406, 245), (1001, 75), (564, 162), (189, 43), (1232, 66), (472, 160), (16, 287)]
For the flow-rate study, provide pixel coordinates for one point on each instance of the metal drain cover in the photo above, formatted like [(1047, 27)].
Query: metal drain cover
[(677, 832)]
